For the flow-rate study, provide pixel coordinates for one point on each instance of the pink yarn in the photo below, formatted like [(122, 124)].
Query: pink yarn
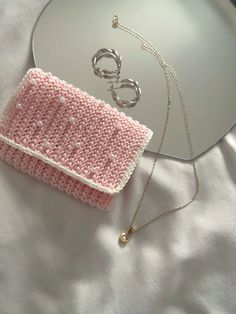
[(69, 139)]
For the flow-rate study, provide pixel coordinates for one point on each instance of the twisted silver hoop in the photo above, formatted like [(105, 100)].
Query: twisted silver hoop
[(107, 53), (126, 83)]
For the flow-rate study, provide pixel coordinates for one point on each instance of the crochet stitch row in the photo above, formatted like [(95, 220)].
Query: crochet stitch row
[(50, 175)]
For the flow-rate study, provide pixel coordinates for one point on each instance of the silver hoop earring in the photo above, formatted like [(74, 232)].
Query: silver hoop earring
[(107, 53), (126, 83)]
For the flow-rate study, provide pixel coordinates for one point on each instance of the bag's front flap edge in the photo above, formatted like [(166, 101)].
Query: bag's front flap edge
[(75, 174)]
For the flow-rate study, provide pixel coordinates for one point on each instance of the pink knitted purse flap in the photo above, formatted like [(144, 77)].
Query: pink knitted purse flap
[(63, 136)]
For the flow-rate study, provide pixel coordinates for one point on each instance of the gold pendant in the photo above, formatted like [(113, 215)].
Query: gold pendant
[(124, 236)]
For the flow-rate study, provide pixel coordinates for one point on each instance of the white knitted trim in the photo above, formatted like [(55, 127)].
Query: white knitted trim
[(75, 174)]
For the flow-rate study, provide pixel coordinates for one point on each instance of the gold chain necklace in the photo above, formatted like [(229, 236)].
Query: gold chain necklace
[(168, 71)]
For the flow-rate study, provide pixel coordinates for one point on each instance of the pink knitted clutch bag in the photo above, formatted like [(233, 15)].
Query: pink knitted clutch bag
[(69, 139)]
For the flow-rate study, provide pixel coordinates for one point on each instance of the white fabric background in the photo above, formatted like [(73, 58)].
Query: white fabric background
[(58, 255)]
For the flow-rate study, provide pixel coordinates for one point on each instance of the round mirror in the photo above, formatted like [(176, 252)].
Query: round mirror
[(197, 38)]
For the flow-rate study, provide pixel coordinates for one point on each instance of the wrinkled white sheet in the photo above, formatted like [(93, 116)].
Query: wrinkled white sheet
[(58, 255)]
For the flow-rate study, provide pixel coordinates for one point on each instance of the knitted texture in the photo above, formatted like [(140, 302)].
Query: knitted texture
[(69, 139)]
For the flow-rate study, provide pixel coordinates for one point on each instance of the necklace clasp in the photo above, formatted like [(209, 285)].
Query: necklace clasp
[(115, 21)]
